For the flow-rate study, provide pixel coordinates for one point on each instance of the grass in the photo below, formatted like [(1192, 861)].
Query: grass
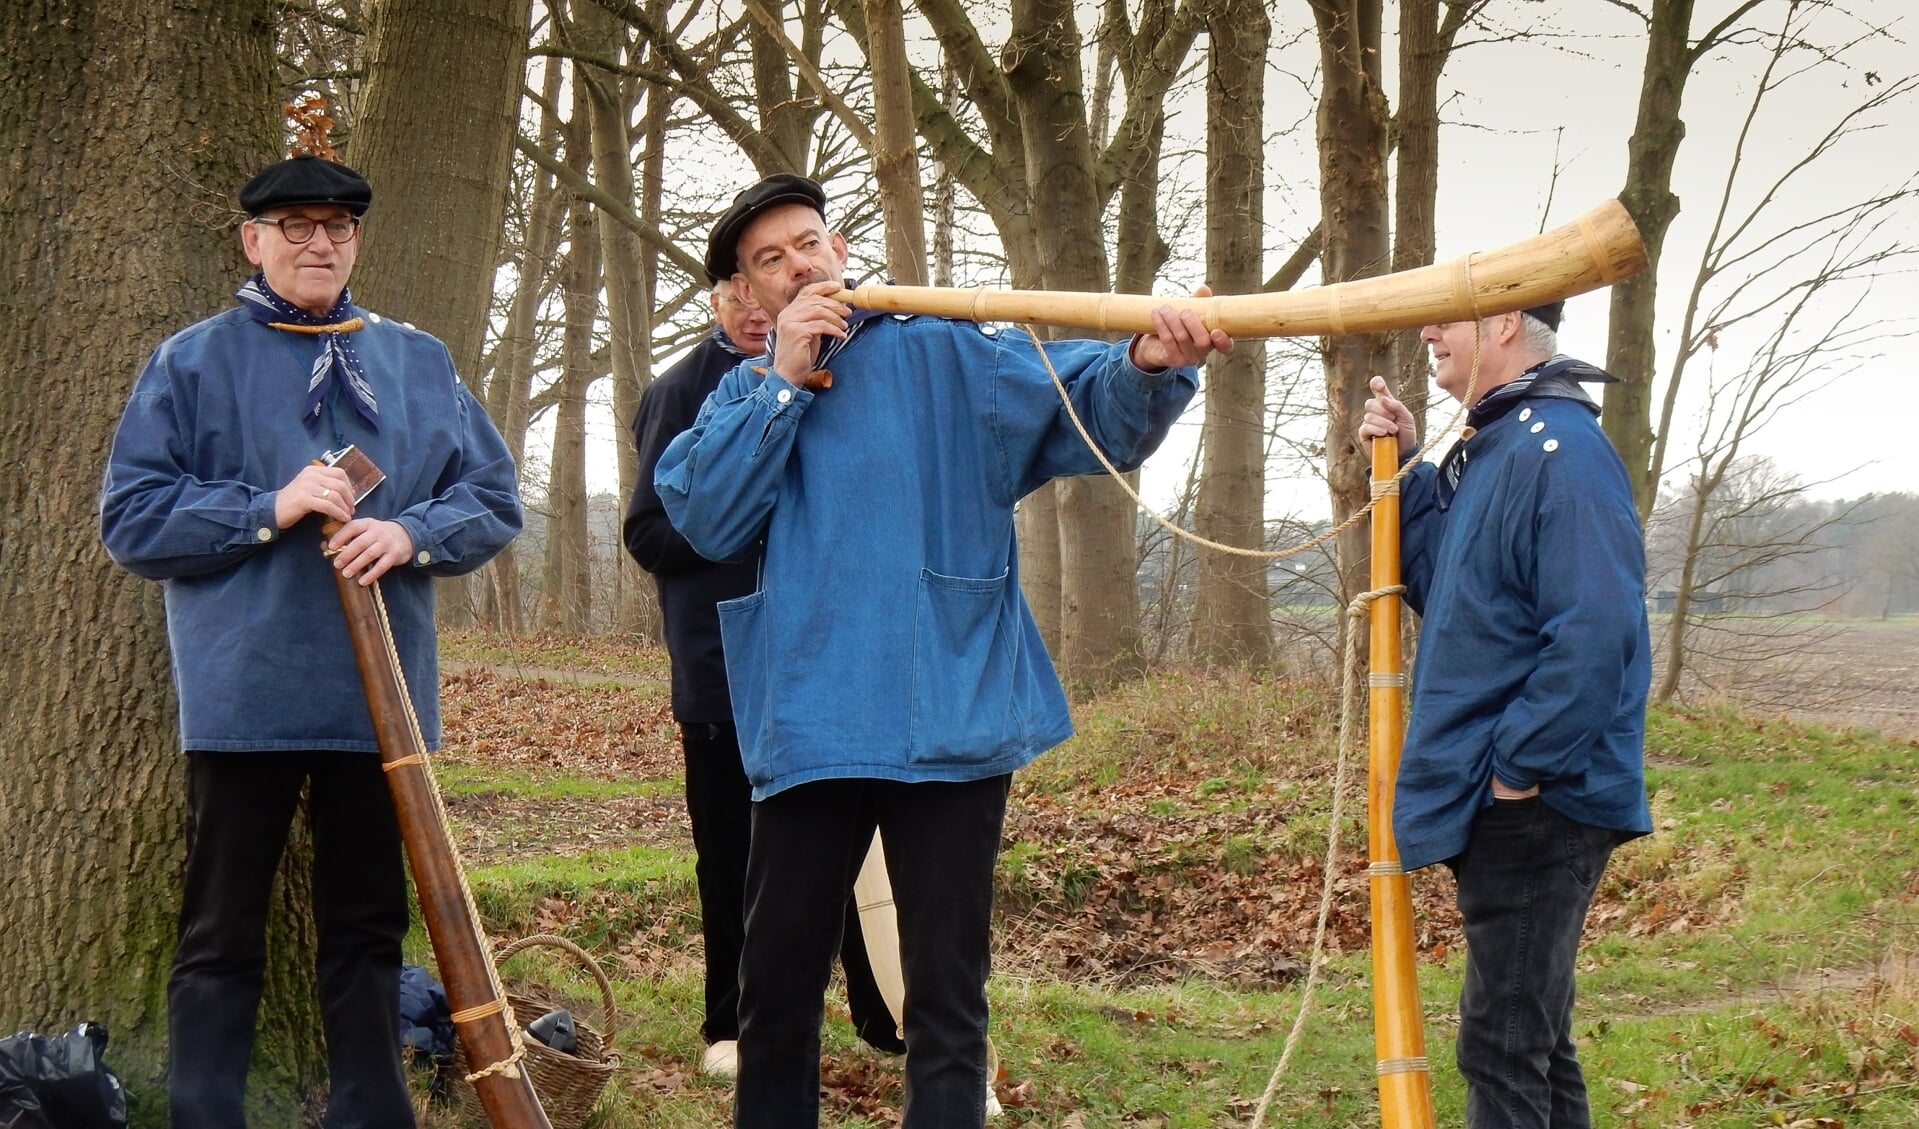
[(1749, 964)]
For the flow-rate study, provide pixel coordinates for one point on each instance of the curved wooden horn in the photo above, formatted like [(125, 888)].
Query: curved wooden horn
[(1399, 1036), (473, 990), (1597, 249)]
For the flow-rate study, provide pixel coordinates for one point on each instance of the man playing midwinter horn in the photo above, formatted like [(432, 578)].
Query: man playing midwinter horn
[(1523, 764), (211, 488), (886, 672), (719, 801)]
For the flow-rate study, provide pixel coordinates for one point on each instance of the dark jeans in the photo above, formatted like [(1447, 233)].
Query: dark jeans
[(1526, 879), (240, 807), (941, 841), (719, 802)]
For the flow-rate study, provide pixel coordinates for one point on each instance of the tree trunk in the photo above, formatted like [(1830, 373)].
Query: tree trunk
[(1231, 617), (1099, 609), (783, 118), (1425, 45), (896, 163), (629, 309), (568, 561), (509, 392), (945, 190), (1352, 137), (127, 127), (439, 179), (1648, 197)]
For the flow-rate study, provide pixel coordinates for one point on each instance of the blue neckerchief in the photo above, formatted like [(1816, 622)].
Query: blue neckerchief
[(727, 343), (1556, 378), (335, 354)]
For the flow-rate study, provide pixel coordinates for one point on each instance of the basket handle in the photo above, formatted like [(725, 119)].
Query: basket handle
[(554, 940)]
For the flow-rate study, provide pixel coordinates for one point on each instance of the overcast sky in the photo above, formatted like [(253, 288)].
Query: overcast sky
[(1536, 133), (1552, 115)]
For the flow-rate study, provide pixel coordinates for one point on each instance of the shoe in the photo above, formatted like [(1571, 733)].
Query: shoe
[(722, 1059), (992, 1075)]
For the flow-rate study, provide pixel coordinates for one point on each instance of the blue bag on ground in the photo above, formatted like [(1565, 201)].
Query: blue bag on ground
[(426, 1021), (59, 1082)]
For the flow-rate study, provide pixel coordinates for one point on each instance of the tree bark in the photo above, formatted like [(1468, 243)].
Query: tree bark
[(1648, 197), (1352, 137), (629, 309), (127, 129), (896, 164), (439, 179), (1099, 622), (784, 120), (509, 391), (1231, 617), (568, 561)]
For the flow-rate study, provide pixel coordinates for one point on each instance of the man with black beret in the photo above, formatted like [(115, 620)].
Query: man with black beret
[(217, 486), (719, 801), (1523, 765), (886, 672)]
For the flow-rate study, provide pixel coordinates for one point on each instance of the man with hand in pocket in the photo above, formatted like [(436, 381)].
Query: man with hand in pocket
[(1523, 765)]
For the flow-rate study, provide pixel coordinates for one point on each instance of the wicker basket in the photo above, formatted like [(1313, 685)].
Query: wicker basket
[(568, 1085)]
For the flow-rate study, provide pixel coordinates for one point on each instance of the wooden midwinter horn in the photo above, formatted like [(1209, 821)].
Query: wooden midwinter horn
[(1399, 1036), (1597, 249), (473, 992)]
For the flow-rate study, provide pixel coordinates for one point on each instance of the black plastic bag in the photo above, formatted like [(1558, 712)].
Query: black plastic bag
[(59, 1082), (556, 1030)]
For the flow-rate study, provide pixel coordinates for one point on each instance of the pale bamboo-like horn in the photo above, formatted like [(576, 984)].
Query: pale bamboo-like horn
[(1597, 249)]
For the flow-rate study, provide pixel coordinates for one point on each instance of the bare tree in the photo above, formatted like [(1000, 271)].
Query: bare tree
[(569, 596), (1731, 607), (1428, 31), (1796, 281), (1672, 56), (611, 100), (1355, 221), (1231, 619)]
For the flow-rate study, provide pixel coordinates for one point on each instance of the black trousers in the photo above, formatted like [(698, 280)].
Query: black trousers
[(719, 801), (240, 807), (941, 842), (1526, 880)]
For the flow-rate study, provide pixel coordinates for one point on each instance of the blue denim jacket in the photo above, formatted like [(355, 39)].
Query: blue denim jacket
[(889, 637), (1534, 657), (261, 658)]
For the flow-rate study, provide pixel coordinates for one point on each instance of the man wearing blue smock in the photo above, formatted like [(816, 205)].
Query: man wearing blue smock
[(1523, 765), (887, 672), (211, 489)]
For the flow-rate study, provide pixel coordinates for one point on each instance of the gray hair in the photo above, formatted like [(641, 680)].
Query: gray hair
[(1538, 335)]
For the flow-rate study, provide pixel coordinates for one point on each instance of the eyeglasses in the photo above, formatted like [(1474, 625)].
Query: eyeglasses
[(298, 229)]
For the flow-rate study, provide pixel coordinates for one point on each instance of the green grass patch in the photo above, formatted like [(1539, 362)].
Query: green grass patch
[(1749, 964), (599, 899), (474, 779)]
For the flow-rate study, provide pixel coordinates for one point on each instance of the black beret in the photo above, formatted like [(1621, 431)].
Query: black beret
[(305, 180), (1548, 313), (723, 245)]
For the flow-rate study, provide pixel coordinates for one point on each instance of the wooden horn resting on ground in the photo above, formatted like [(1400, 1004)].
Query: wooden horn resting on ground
[(473, 990), (1399, 1036), (1597, 249)]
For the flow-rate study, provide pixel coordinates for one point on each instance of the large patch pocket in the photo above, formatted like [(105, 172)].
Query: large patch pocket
[(965, 656), (743, 634)]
